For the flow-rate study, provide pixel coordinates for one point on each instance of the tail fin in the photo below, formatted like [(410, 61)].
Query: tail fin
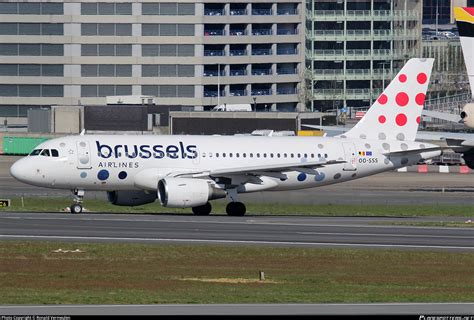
[(396, 113), (465, 22)]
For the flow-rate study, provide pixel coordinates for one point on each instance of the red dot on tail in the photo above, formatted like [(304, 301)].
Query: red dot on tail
[(382, 99), (422, 78), (402, 78), (402, 99), (418, 120), (420, 99), (401, 119), (382, 119)]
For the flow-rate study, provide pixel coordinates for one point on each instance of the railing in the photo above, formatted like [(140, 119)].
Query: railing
[(261, 52), (214, 32), (261, 72), (282, 12), (329, 91), (286, 91), (262, 32), (287, 71), (213, 73), (287, 51), (358, 13), (237, 93), (208, 93), (214, 52), (214, 12), (287, 31), (234, 73), (242, 32), (261, 92), (358, 72), (262, 12), (328, 72), (328, 12), (238, 52), (238, 12)]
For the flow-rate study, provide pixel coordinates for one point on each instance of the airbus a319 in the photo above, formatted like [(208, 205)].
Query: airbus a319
[(190, 171)]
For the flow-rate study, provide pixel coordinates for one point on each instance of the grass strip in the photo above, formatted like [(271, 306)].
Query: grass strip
[(85, 273), (52, 204)]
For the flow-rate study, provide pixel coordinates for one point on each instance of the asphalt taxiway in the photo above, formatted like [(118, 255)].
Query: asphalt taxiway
[(342, 232)]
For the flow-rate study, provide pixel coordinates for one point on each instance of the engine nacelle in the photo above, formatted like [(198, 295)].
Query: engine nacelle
[(469, 158), (187, 192), (130, 198), (467, 115)]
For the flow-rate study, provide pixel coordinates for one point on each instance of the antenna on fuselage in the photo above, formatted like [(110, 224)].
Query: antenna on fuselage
[(82, 132)]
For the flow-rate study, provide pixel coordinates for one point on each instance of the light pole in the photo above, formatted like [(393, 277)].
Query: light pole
[(383, 73), (218, 85)]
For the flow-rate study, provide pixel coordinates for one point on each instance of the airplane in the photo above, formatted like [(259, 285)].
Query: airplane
[(189, 171), (465, 22)]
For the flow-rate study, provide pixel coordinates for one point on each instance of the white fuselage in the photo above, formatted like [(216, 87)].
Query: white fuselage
[(109, 162)]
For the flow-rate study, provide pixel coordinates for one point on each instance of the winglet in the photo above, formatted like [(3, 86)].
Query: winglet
[(396, 114)]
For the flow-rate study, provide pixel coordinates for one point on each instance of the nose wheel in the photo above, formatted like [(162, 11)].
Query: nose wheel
[(76, 208), (78, 198)]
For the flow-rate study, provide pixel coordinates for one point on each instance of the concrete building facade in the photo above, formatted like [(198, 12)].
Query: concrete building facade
[(190, 53)]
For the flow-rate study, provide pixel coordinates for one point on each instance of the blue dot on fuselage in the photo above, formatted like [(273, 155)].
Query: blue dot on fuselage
[(122, 175), (319, 177), (302, 176), (103, 175)]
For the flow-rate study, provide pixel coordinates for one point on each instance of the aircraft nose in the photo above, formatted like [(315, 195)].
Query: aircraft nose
[(18, 170)]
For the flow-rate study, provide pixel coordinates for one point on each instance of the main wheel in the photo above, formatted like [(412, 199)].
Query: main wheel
[(76, 208), (235, 209), (203, 210)]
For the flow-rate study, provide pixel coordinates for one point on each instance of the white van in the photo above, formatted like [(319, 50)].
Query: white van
[(233, 107)]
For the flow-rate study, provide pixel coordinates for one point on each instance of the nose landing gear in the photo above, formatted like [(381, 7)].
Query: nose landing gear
[(78, 198)]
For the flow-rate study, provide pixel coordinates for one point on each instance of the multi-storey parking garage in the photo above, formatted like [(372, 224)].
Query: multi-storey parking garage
[(186, 53), (353, 48)]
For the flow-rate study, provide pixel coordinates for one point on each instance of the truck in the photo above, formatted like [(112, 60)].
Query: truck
[(233, 107)]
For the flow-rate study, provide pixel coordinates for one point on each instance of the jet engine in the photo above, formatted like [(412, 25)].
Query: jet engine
[(468, 157), (467, 115), (187, 192), (130, 198)]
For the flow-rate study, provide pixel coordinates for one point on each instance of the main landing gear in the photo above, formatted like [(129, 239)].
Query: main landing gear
[(78, 198), (203, 210), (235, 208)]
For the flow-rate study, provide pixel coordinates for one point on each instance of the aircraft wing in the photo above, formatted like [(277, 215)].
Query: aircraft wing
[(260, 170)]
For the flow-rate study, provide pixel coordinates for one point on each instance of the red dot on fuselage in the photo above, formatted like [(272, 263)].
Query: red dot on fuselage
[(418, 120), (383, 99), (402, 99), (402, 78), (422, 78), (420, 99), (382, 119), (401, 119)]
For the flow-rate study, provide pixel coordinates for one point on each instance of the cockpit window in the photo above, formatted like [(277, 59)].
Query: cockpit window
[(45, 153), (36, 152), (54, 153)]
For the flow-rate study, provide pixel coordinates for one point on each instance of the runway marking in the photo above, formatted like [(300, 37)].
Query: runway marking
[(247, 222), (237, 242), (385, 235)]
